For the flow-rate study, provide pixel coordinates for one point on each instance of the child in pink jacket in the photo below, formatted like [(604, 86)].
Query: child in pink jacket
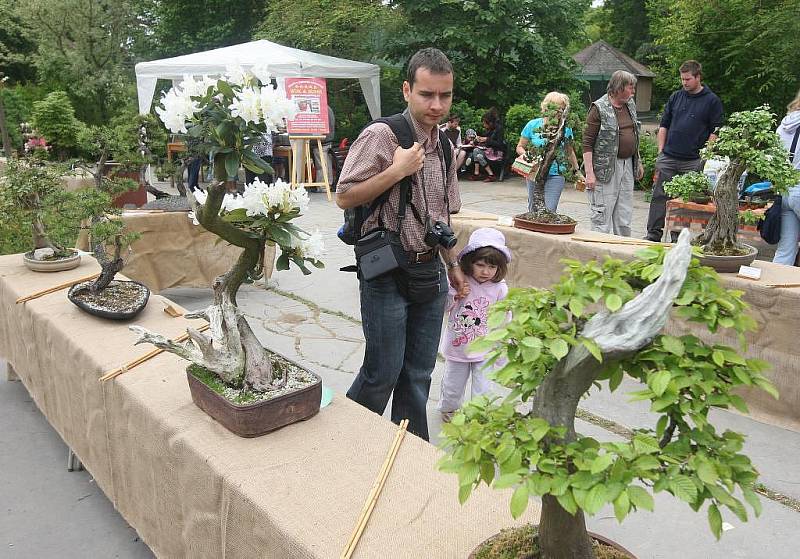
[(485, 262)]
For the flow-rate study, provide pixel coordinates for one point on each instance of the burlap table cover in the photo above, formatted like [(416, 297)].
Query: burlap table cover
[(536, 263), (189, 487), (173, 252)]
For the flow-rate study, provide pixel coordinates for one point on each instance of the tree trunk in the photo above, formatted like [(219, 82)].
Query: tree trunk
[(562, 535), (549, 156), (109, 266), (719, 235)]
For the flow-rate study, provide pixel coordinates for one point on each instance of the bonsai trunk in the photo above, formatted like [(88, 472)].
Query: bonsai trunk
[(40, 238), (719, 236), (562, 535), (544, 167), (109, 266)]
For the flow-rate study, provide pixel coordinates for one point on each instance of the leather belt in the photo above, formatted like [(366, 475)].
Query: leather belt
[(421, 257)]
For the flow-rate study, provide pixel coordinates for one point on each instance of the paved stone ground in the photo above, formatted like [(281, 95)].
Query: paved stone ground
[(316, 320)]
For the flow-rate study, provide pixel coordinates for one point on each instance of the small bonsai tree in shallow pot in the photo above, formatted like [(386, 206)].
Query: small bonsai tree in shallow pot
[(690, 187), (749, 143), (600, 323), (556, 120), (107, 296), (31, 193), (230, 362)]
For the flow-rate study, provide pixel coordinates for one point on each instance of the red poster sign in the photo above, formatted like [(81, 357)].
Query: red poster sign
[(309, 94)]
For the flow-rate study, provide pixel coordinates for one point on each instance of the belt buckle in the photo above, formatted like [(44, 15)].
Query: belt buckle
[(418, 256)]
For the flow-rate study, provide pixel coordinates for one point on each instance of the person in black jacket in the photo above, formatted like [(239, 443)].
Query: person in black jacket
[(691, 118), (491, 147)]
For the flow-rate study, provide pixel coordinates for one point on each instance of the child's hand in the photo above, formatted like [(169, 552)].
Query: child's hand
[(463, 292)]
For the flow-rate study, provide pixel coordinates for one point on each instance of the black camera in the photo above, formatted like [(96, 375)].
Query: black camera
[(439, 233)]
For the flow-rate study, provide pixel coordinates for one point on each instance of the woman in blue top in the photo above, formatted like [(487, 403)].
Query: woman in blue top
[(531, 134)]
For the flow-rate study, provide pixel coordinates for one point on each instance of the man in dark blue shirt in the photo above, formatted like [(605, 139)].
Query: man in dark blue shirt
[(691, 118)]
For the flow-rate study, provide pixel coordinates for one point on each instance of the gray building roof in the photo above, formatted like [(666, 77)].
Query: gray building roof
[(599, 60)]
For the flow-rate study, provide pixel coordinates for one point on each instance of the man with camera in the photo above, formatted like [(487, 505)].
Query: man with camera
[(402, 255)]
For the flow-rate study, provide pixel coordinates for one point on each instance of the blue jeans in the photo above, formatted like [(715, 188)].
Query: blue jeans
[(402, 340), (553, 187), (790, 228)]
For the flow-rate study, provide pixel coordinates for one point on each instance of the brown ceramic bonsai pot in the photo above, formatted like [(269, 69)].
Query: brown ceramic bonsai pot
[(729, 264), (259, 418), (602, 540), (552, 228)]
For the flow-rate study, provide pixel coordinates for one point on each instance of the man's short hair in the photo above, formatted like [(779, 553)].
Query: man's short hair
[(453, 116), (692, 67), (434, 60), (619, 81)]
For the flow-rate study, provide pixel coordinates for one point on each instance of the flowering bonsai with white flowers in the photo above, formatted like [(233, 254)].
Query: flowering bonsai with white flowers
[(228, 116)]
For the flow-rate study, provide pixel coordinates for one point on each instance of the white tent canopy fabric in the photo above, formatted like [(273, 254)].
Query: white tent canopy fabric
[(280, 61)]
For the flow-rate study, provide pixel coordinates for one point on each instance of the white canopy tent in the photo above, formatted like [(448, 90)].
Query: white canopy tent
[(281, 61)]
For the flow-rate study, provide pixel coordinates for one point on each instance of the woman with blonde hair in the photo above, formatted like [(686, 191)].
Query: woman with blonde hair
[(532, 134), (789, 131)]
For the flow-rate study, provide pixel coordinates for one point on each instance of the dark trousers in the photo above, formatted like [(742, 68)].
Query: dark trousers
[(667, 168), (193, 172), (402, 340)]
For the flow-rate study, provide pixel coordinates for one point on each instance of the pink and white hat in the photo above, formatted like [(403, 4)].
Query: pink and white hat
[(486, 237)]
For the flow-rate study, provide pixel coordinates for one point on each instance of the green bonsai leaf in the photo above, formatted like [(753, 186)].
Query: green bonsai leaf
[(688, 186)]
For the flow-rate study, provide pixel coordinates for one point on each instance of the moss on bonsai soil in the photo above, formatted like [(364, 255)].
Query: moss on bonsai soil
[(298, 379), (523, 543)]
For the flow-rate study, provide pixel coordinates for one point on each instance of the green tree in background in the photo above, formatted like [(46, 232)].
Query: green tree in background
[(748, 48), (83, 49), (185, 26), (501, 50), (16, 45)]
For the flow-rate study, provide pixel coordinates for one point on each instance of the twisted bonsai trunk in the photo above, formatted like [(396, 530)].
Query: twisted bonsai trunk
[(719, 236), (108, 266), (562, 535), (544, 167)]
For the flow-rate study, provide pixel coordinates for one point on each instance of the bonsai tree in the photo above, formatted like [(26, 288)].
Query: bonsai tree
[(228, 116), (556, 122), (750, 143), (31, 194), (688, 186), (599, 324)]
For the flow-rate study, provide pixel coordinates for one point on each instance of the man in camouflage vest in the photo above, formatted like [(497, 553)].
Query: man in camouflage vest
[(611, 156)]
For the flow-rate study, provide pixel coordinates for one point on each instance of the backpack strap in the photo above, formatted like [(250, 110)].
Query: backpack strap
[(793, 151)]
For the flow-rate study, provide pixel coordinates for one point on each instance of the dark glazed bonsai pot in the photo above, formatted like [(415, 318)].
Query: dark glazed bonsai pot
[(111, 313), (253, 420)]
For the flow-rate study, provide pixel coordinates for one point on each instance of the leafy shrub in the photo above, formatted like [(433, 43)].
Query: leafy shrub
[(470, 116), (18, 102), (648, 150), (516, 118), (688, 186), (54, 118)]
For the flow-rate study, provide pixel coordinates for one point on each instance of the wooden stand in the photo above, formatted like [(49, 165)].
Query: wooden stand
[(306, 178)]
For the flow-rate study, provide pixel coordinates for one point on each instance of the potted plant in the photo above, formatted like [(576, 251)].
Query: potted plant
[(690, 187), (749, 142), (540, 218), (106, 296), (31, 192), (246, 387), (598, 324)]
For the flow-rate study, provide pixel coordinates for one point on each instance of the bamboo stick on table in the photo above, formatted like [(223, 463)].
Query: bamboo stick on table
[(55, 288), (786, 285), (377, 487), (138, 361), (637, 242)]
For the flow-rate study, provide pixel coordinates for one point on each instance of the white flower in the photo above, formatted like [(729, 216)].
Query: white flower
[(236, 75), (298, 198), (261, 72), (246, 105), (200, 196), (275, 107), (311, 247), (252, 199), (176, 108)]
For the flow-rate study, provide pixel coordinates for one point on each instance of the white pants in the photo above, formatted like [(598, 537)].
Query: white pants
[(454, 383), (611, 203)]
